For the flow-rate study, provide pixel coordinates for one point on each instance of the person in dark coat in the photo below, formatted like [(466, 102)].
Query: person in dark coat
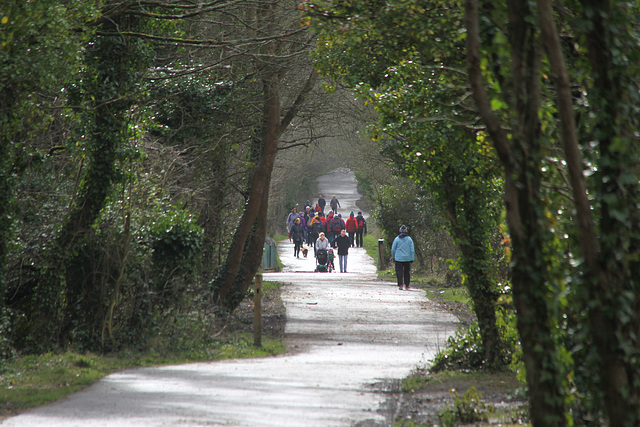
[(297, 235), (362, 229), (308, 216), (334, 204), (343, 243), (336, 225), (316, 228), (322, 202)]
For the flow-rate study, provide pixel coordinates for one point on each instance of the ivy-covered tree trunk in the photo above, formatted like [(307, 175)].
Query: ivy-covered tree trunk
[(6, 192), (66, 296), (477, 265), (468, 215), (521, 157), (614, 308), (611, 278)]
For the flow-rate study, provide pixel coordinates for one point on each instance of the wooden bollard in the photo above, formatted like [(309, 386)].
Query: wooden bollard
[(257, 312), (381, 260)]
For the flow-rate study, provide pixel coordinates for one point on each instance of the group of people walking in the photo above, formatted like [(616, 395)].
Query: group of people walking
[(313, 228)]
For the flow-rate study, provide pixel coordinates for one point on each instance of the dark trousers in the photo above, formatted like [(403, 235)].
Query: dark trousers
[(359, 238), (352, 235), (329, 235), (403, 273)]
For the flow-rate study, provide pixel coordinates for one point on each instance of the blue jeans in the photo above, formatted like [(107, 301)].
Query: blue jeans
[(342, 259)]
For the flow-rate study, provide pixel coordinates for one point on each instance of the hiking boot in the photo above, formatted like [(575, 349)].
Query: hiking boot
[(400, 287), (407, 287)]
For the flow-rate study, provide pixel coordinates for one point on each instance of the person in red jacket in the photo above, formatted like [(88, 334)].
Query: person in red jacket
[(323, 220), (329, 233), (351, 226)]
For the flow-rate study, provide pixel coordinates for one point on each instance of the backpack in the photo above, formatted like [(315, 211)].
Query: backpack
[(360, 222), (336, 224), (317, 227)]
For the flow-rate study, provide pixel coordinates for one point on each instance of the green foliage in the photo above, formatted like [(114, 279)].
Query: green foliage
[(40, 41), (185, 108), (401, 202), (105, 244), (176, 240), (468, 408), (6, 346), (465, 350)]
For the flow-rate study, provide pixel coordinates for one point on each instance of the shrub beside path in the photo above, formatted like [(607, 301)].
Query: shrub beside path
[(349, 336)]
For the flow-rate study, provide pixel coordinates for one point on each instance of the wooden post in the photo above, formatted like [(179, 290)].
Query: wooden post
[(257, 312), (381, 262)]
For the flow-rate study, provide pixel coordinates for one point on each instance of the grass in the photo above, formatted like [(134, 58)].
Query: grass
[(33, 380), (370, 244), (456, 295), (467, 392)]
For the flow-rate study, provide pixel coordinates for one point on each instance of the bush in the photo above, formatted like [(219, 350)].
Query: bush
[(467, 409), (176, 241)]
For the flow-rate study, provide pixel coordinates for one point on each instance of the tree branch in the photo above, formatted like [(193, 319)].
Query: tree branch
[(480, 95), (293, 110)]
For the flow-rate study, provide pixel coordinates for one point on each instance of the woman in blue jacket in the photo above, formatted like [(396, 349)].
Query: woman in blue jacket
[(403, 253)]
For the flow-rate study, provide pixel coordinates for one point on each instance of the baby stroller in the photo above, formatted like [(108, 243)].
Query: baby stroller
[(321, 261)]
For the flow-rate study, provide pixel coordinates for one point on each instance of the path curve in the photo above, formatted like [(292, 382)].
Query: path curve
[(347, 333)]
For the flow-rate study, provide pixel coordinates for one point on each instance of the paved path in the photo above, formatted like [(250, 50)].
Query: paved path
[(348, 333)]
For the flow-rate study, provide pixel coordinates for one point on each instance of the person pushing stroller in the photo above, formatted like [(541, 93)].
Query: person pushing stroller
[(321, 247)]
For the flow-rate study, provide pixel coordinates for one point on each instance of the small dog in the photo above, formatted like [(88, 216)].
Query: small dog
[(304, 252)]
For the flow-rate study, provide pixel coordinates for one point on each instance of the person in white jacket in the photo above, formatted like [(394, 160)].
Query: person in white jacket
[(321, 243), (403, 253)]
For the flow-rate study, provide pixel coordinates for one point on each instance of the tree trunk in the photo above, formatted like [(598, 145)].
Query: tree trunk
[(245, 254), (615, 317), (472, 239), (258, 198), (521, 160)]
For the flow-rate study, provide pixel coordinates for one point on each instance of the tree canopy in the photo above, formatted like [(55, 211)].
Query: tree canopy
[(143, 144)]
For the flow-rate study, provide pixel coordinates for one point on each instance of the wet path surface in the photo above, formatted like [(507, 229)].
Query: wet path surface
[(347, 334)]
